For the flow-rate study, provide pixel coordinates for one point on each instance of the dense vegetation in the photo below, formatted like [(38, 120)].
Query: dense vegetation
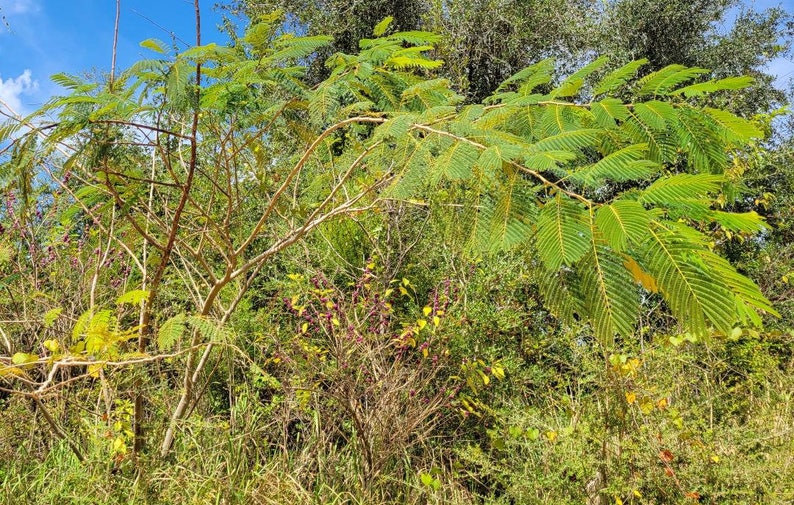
[(418, 252)]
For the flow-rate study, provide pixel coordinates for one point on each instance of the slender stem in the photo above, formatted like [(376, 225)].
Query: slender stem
[(186, 394), (115, 44), (58, 431)]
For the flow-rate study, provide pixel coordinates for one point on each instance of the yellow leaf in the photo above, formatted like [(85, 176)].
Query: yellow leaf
[(498, 372), (715, 459), (618, 501), (426, 311), (93, 370), (403, 291), (304, 327), (335, 321), (329, 304), (52, 345), (11, 370), (637, 493), (436, 320), (645, 279), (422, 323), (551, 435), (631, 397), (119, 446), (485, 379), (662, 404), (23, 358)]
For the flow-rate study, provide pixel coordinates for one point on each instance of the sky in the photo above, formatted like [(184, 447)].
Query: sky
[(39, 38)]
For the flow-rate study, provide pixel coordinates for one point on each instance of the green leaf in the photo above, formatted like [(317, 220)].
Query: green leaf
[(570, 141), (134, 297), (573, 83), (155, 45), (622, 222), (511, 218), (618, 77), (661, 81), (746, 222), (560, 291), (381, 27), (415, 159), (531, 76), (696, 136), (681, 188), (563, 233), (207, 328), (694, 292), (170, 332), (50, 316), (734, 127), (627, 164), (703, 88), (611, 299), (748, 297), (81, 325), (456, 162)]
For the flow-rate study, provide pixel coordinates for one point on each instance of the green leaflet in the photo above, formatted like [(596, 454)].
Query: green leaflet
[(563, 232), (618, 77), (735, 129), (170, 332), (661, 81), (696, 295), (703, 88), (610, 295), (457, 161), (627, 164), (681, 189), (570, 141), (511, 217), (560, 290), (621, 223)]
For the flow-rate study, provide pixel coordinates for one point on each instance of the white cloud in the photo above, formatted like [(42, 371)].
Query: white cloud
[(10, 7), (13, 88)]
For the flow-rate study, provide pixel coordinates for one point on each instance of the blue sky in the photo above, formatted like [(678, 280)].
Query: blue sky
[(43, 37)]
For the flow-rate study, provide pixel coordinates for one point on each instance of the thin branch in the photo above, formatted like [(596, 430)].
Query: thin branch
[(58, 431), (115, 44)]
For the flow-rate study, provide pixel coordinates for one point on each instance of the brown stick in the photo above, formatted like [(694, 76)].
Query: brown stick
[(58, 431)]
